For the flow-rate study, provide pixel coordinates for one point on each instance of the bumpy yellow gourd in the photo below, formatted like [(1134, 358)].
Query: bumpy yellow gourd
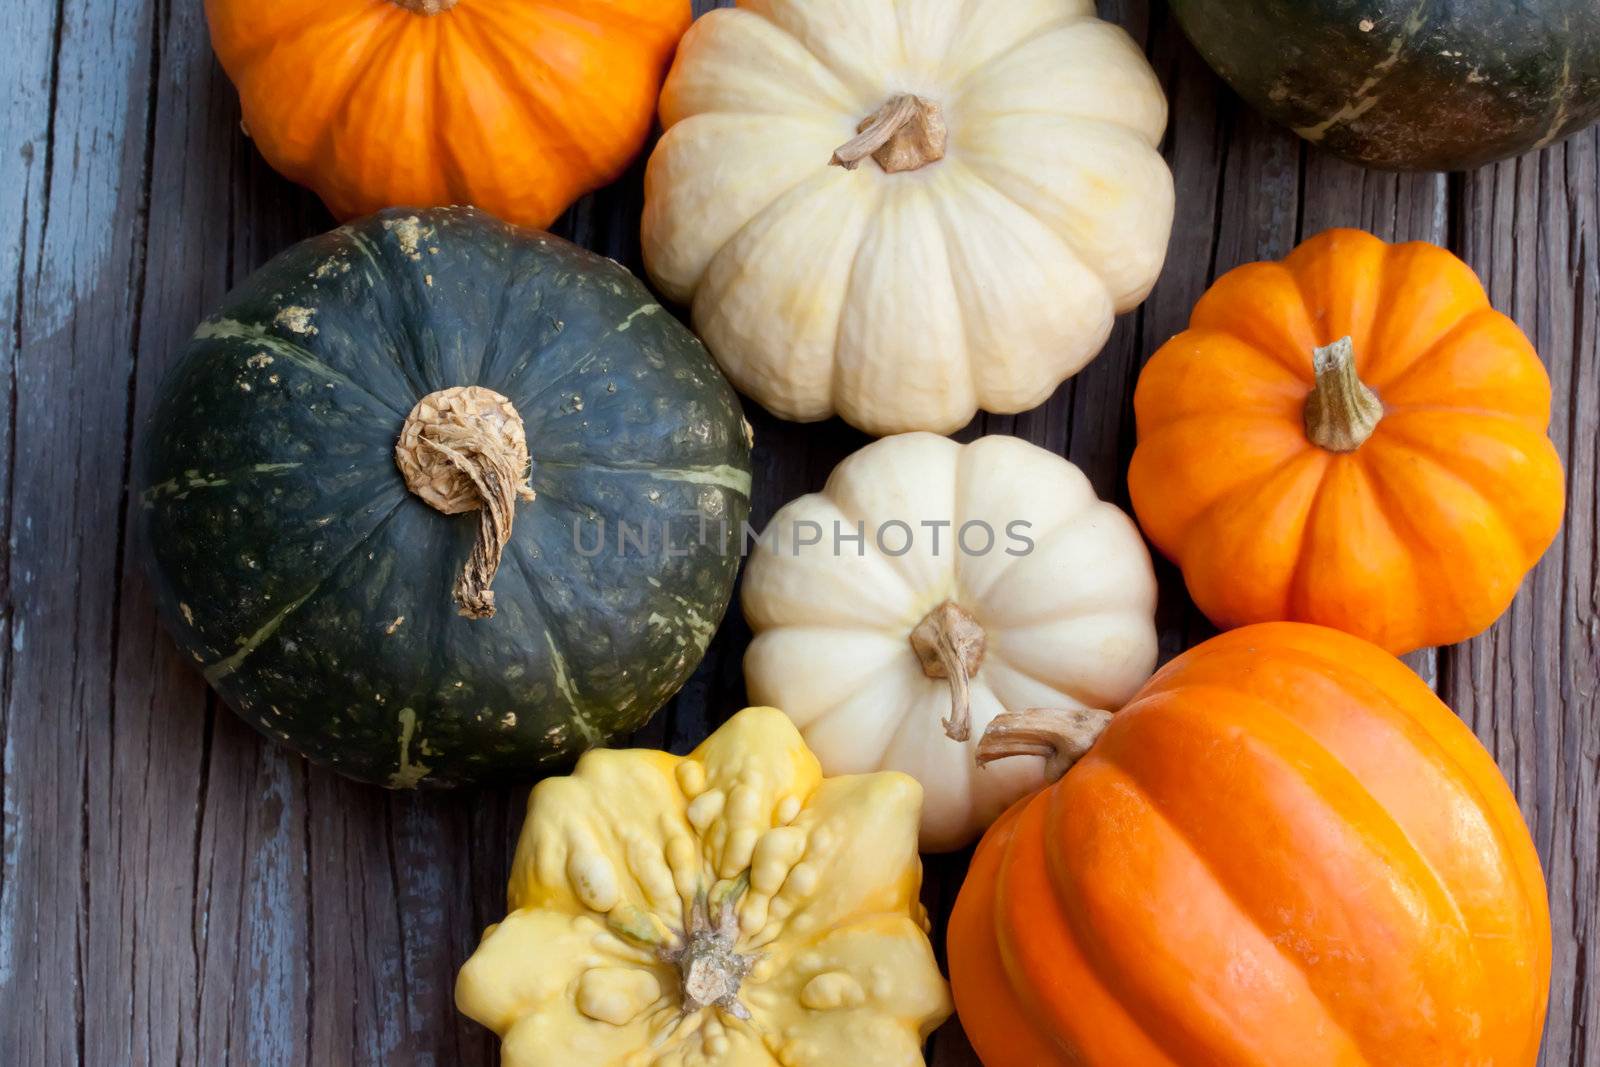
[(730, 908)]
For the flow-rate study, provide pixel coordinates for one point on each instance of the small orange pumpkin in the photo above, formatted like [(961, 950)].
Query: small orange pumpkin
[(1351, 437), (1285, 850), (516, 106)]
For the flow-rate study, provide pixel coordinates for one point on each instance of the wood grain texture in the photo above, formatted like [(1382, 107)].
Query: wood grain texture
[(174, 891)]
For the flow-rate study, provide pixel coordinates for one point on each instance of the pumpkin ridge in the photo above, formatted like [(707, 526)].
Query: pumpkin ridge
[(1414, 442), (559, 664), (974, 165), (1468, 322), (235, 55), (1333, 673), (378, 46), (888, 680), (402, 335), (1084, 702), (960, 87), (845, 78), (935, 206), (1302, 557), (1369, 1057), (225, 329), (943, 208), (1387, 494), (485, 372), (1340, 673), (547, 120), (835, 85), (1248, 488), (620, 15), (882, 563), (226, 666), (835, 386), (529, 402), (734, 239), (964, 90), (1465, 325), (1032, 827), (1399, 270), (1395, 525)]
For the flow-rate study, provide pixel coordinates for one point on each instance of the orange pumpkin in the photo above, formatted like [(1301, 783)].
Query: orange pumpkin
[(1351, 437), (516, 106), (1285, 850)]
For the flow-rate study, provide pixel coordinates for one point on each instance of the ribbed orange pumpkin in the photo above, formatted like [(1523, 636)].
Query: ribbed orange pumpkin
[(516, 106), (1285, 850), (1400, 495)]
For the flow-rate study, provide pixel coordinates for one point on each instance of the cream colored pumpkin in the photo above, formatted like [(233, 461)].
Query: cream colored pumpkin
[(848, 638), (981, 278), (729, 908)]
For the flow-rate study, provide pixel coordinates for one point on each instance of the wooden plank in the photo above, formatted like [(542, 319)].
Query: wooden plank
[(1531, 686), (27, 80), (76, 313)]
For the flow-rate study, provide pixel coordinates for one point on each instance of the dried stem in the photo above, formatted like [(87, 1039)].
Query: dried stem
[(1341, 411), (1062, 738), (907, 133), (949, 643), (461, 450)]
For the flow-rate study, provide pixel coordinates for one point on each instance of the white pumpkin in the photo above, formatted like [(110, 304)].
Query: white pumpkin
[(976, 260), (872, 650)]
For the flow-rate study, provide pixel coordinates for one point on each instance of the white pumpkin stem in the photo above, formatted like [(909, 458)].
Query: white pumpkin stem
[(949, 643), (426, 7), (464, 449), (1061, 737), (907, 133), (1341, 411)]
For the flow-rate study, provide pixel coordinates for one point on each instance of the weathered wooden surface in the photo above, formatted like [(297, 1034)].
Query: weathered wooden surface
[(175, 891)]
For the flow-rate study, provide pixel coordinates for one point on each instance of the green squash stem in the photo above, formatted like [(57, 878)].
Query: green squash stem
[(907, 133), (1341, 411), (465, 449)]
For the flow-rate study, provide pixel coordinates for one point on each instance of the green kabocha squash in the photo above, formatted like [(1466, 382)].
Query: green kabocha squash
[(1402, 85), (435, 500)]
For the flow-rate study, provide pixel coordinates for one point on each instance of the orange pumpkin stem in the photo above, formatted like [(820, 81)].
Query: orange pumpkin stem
[(426, 7), (949, 643), (1061, 737), (464, 449), (1341, 411), (907, 133)]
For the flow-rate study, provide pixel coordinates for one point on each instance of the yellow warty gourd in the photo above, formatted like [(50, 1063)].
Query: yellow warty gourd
[(730, 908)]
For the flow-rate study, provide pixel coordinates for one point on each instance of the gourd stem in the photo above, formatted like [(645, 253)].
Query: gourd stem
[(710, 968), (950, 644), (464, 449), (426, 7), (1341, 411), (907, 133), (1061, 737)]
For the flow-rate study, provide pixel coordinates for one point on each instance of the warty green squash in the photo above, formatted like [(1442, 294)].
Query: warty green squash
[(435, 500)]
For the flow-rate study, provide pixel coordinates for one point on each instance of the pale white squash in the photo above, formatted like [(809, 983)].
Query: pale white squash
[(843, 627), (907, 300)]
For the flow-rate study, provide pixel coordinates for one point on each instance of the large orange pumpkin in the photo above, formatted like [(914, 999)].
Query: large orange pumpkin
[(1351, 437), (516, 106), (1285, 850)]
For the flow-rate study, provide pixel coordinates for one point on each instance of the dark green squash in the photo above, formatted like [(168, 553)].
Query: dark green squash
[(319, 595), (1409, 85)]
